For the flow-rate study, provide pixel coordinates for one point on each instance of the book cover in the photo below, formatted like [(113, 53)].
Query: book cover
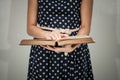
[(61, 42)]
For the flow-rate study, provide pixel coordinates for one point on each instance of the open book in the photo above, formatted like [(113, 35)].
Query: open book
[(61, 42)]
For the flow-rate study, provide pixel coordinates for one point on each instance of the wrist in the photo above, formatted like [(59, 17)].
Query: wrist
[(44, 34), (83, 31)]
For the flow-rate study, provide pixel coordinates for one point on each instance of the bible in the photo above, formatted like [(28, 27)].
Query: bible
[(61, 42)]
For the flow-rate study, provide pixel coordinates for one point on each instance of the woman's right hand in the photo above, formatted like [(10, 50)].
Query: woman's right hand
[(54, 35)]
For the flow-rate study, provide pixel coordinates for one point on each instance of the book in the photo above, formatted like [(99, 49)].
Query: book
[(61, 42)]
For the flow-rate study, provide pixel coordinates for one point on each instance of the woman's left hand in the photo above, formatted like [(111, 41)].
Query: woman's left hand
[(66, 48)]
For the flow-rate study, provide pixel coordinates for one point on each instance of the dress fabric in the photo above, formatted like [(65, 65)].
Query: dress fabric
[(45, 64)]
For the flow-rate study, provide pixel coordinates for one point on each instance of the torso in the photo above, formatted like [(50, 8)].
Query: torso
[(59, 13)]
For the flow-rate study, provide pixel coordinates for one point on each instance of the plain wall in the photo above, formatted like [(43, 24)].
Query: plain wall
[(105, 29)]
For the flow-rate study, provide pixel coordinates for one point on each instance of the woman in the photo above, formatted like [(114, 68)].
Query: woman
[(45, 18)]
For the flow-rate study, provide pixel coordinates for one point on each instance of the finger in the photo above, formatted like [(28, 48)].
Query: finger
[(64, 35), (52, 37), (59, 36), (48, 37), (44, 46), (69, 48), (56, 34), (50, 48), (66, 48), (59, 49)]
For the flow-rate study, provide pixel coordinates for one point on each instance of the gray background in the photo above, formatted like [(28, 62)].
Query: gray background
[(105, 53)]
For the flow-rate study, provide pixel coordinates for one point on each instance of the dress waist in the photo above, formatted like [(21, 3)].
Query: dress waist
[(66, 31)]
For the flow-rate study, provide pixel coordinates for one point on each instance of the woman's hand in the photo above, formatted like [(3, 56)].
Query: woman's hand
[(54, 35), (66, 48)]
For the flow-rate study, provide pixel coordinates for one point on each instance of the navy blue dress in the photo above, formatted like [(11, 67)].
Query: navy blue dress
[(45, 64)]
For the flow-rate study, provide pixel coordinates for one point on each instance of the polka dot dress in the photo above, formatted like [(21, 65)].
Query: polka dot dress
[(49, 65)]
